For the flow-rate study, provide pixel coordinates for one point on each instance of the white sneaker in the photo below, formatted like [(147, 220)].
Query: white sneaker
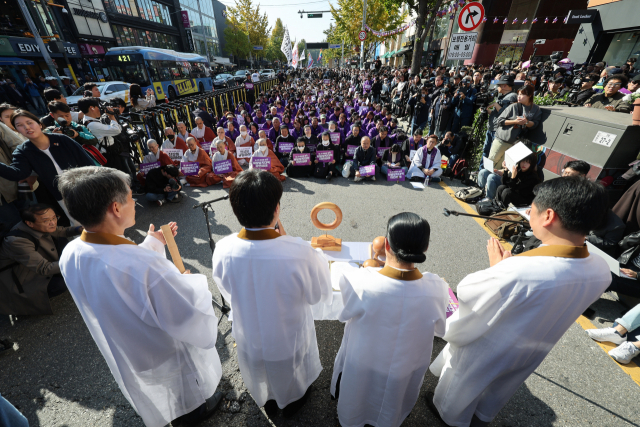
[(606, 335), (159, 202), (373, 178), (624, 352), (357, 178)]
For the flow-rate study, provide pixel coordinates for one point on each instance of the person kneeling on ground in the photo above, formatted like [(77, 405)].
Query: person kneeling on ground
[(29, 270), (162, 185), (296, 170), (625, 333), (365, 155), (326, 169), (426, 162), (451, 146), (394, 158)]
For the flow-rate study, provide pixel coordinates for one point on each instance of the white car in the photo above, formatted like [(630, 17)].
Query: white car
[(108, 91), (267, 73)]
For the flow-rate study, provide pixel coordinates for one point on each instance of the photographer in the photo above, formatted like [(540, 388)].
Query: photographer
[(451, 146), (506, 97), (586, 90), (55, 95), (112, 140), (611, 99), (463, 101), (162, 185), (421, 104), (60, 114)]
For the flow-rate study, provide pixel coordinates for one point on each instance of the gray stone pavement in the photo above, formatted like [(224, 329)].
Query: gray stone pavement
[(57, 377)]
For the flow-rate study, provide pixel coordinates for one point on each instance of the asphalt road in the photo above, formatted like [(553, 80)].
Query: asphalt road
[(57, 377)]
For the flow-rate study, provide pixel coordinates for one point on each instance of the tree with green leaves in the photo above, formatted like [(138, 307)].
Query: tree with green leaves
[(237, 43), (382, 15), (247, 18), (426, 14), (275, 42)]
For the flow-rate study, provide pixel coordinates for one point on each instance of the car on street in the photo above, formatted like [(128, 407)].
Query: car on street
[(267, 73), (108, 91), (224, 81), (240, 76)]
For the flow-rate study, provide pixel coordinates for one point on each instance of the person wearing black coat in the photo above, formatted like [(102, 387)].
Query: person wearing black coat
[(353, 138), (296, 170), (207, 119), (365, 155), (45, 154), (326, 169), (441, 113), (518, 183), (283, 156), (451, 146)]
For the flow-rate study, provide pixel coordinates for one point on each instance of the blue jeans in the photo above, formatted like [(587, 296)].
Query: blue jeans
[(154, 197), (491, 181), (415, 125), (39, 105), (385, 168), (10, 416), (486, 148), (631, 320)]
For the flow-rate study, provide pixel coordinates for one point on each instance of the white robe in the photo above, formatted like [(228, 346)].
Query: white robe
[(416, 165), (150, 158), (188, 156), (270, 286), (217, 157), (167, 145), (510, 317), (387, 343), (155, 327)]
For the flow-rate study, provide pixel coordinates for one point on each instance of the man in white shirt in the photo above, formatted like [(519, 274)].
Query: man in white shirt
[(513, 313), (154, 326), (255, 77), (271, 280)]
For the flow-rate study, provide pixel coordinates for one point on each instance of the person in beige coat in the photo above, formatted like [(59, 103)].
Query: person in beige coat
[(29, 254)]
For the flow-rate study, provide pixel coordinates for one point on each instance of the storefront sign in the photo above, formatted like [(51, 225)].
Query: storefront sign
[(101, 16), (582, 16), (87, 49), (185, 18), (27, 47)]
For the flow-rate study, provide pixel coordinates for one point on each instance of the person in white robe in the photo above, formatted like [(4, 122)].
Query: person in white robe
[(513, 313), (155, 327), (243, 140), (271, 281), (392, 315), (169, 142), (191, 155), (427, 161), (152, 157), (260, 150)]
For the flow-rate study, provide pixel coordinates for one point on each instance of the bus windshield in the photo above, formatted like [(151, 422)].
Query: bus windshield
[(130, 71)]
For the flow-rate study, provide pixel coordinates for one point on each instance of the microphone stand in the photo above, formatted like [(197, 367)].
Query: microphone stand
[(206, 206)]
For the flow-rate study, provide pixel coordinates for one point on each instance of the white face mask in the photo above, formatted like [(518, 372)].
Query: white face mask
[(332, 129), (301, 149), (263, 149), (243, 132), (325, 142)]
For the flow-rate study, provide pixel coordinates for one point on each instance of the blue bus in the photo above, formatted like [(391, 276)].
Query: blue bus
[(169, 73)]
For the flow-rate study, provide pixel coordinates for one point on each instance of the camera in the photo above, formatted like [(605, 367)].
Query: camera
[(173, 184), (64, 127)]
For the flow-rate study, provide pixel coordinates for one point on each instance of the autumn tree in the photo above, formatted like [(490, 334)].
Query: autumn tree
[(247, 18), (237, 43), (426, 14), (382, 15), (275, 42)]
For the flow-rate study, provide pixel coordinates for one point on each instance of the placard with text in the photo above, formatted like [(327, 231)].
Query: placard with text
[(351, 150), (263, 163), (301, 159), (395, 174), (174, 153), (189, 168), (369, 170), (335, 137), (223, 166), (285, 147), (244, 152), (146, 167), (324, 156)]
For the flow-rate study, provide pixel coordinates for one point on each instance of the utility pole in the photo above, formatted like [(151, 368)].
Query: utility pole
[(250, 47), (51, 17), (40, 43), (364, 21)]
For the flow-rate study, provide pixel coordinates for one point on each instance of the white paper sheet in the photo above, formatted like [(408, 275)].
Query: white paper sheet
[(613, 263), (516, 153), (488, 164), (417, 185)]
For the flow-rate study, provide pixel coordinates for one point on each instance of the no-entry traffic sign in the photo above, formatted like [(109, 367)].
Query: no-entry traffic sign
[(362, 35), (471, 16)]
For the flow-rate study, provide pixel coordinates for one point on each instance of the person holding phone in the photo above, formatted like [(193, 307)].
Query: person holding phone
[(138, 103)]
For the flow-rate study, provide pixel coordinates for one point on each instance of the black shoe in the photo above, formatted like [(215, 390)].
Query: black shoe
[(203, 412), (292, 408), (271, 408), (328, 177), (432, 407)]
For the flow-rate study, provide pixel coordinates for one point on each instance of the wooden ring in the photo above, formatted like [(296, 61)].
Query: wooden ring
[(322, 206)]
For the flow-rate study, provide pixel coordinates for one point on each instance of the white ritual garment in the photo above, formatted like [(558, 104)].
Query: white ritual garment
[(510, 317), (391, 318), (188, 156), (155, 327), (415, 170), (271, 282)]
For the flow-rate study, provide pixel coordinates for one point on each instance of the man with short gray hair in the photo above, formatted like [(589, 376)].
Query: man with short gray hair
[(154, 326)]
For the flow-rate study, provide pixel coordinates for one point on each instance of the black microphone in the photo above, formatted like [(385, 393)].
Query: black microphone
[(210, 201)]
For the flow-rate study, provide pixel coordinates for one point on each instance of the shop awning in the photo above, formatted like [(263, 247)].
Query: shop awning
[(403, 51), (15, 61), (390, 54)]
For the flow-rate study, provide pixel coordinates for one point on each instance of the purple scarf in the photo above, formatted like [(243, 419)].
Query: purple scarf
[(425, 152)]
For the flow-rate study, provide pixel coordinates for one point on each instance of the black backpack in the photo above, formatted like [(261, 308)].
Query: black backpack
[(489, 207)]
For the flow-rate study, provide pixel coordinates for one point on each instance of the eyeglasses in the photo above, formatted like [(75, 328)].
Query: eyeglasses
[(49, 220), (614, 84)]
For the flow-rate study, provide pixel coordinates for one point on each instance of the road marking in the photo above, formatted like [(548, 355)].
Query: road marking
[(631, 369)]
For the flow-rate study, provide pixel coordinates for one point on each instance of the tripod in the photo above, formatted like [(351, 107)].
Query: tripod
[(206, 206)]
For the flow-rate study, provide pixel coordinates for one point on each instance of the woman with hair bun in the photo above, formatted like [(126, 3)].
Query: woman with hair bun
[(391, 315)]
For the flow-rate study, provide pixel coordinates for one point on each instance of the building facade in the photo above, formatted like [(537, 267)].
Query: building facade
[(613, 36), (202, 26)]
